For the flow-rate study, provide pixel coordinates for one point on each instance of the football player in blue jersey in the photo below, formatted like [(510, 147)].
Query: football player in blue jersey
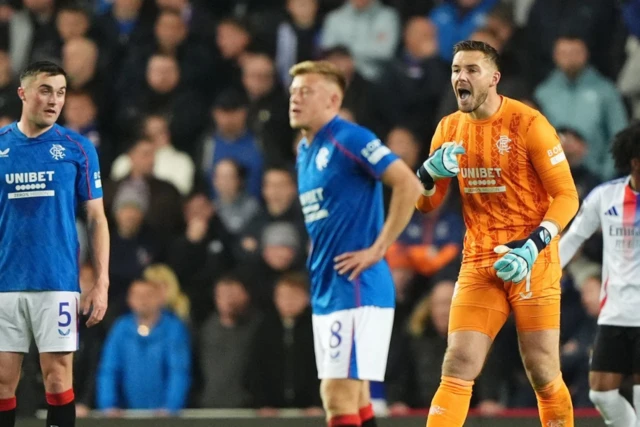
[(46, 170), (341, 168)]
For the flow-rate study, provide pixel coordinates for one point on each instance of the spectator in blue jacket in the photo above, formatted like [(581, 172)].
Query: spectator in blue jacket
[(146, 359), (457, 20)]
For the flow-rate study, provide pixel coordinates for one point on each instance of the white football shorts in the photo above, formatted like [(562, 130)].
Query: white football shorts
[(353, 343), (50, 317)]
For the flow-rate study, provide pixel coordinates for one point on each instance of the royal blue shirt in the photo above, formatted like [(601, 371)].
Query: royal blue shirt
[(341, 196), (42, 181)]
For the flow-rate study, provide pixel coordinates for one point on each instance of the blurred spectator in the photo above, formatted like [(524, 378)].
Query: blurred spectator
[(241, 8), (123, 24), (171, 165), (73, 20), (174, 300), (268, 108), (81, 115), (171, 37), (357, 99), (80, 61), (369, 29), (164, 93), (10, 105), (297, 37), (576, 95), (134, 245), (510, 41), (146, 359), (575, 149), (164, 202), (457, 20), (225, 347), (196, 18), (280, 196), (235, 207), (280, 251), (413, 84), (201, 255), (631, 16), (232, 39), (286, 376), (406, 145), (427, 342), (410, 8), (628, 82), (231, 139), (594, 21), (32, 34)]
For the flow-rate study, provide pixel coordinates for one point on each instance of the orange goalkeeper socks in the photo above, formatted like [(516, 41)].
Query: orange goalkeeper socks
[(450, 405), (554, 404)]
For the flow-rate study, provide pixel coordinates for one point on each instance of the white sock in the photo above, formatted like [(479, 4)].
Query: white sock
[(636, 403), (614, 408)]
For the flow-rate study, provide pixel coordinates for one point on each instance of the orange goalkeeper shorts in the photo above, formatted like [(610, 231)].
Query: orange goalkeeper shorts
[(482, 301)]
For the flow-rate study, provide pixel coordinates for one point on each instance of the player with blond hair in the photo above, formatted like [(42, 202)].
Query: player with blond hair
[(517, 195), (341, 167)]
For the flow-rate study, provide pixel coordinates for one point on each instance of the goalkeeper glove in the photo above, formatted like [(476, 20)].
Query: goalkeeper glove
[(520, 255), (443, 163)]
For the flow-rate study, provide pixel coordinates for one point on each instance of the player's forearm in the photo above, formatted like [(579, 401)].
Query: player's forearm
[(559, 184), (100, 244), (401, 208), (429, 201), (563, 208)]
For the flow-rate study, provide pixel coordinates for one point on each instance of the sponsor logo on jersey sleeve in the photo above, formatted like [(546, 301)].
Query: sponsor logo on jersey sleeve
[(375, 151), (96, 179), (556, 154)]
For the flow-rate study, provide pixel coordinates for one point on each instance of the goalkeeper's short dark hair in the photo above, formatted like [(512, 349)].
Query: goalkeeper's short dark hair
[(477, 46), (626, 147)]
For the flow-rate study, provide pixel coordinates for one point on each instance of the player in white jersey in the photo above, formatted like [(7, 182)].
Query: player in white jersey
[(615, 207), (46, 171)]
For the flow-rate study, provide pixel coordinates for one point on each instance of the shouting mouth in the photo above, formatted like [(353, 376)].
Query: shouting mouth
[(464, 94)]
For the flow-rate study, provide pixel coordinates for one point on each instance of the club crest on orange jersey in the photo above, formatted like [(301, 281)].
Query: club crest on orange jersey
[(503, 144)]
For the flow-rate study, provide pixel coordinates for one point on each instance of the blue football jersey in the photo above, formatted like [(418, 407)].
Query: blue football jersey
[(341, 196), (43, 179)]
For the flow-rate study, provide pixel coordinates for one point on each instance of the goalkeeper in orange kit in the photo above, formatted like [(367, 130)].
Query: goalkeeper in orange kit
[(517, 195)]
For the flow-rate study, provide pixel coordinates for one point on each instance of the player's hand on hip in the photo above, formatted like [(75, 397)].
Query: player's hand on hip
[(442, 163), (358, 261), (96, 303), (519, 255)]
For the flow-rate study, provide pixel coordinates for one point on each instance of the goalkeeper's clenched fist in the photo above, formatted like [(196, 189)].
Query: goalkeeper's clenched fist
[(443, 163), (520, 255)]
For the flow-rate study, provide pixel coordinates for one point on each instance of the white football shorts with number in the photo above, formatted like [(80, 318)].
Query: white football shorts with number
[(353, 343), (50, 317)]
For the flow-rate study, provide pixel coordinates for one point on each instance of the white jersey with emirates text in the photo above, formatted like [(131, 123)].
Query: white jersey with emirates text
[(615, 207)]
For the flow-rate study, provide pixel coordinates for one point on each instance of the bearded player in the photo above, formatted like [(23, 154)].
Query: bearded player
[(517, 195)]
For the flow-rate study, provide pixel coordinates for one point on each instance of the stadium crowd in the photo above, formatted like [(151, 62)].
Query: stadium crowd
[(187, 104)]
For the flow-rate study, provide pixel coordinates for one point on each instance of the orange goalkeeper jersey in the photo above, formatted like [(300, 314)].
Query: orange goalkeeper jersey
[(513, 176)]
